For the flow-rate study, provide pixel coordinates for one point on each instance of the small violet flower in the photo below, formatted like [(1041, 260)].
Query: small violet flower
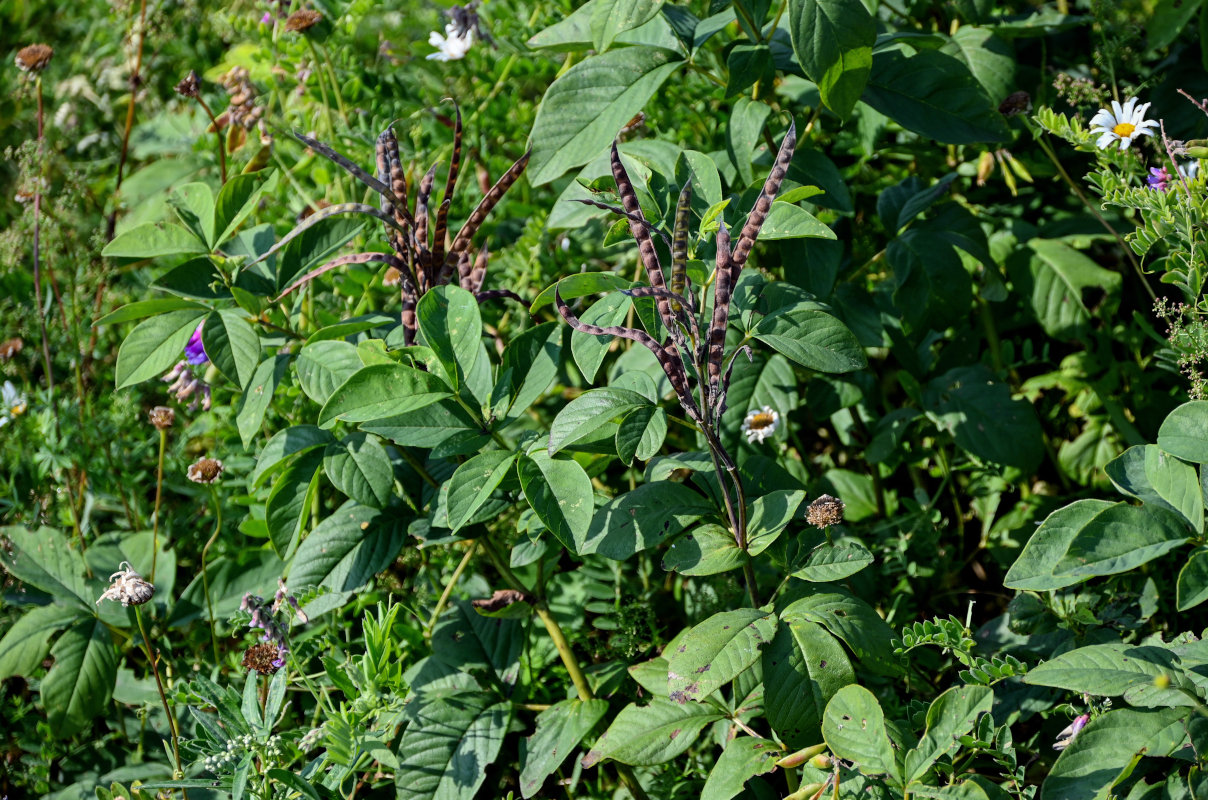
[(1159, 179), (1067, 735), (195, 351)]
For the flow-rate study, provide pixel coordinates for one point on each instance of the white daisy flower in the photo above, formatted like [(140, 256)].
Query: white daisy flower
[(1190, 170), (453, 45), (1122, 124), (760, 424), (13, 403)]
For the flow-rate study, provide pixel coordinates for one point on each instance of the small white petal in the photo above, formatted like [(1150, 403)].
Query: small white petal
[(1105, 140)]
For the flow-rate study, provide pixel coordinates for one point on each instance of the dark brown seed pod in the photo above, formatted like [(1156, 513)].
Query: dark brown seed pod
[(679, 244), (488, 202), (763, 203), (723, 287), (391, 260)]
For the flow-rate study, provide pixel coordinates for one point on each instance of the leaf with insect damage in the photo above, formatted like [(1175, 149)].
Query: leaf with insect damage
[(716, 651)]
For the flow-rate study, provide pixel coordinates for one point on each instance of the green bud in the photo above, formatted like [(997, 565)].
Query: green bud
[(801, 756)]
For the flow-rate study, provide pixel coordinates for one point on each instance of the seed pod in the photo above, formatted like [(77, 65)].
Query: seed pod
[(679, 244)]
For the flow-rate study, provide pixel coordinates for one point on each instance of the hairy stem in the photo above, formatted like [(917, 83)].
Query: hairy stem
[(205, 578), (159, 492)]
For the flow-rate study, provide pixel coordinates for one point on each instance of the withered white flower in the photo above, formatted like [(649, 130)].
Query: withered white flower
[(760, 424), (127, 587)]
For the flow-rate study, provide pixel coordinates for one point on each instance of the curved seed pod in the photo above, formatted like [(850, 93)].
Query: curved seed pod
[(723, 288), (357, 258), (623, 213), (500, 294), (679, 244), (390, 171), (421, 208), (667, 357), (676, 300), (464, 268), (409, 299), (352, 169), (488, 202), (331, 211), (442, 214), (719, 407), (478, 274), (763, 203)]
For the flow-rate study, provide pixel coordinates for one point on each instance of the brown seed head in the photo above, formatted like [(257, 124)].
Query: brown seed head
[(34, 58), (1016, 103), (392, 277), (190, 86), (11, 347), (301, 21), (260, 657), (162, 417), (205, 470), (825, 512)]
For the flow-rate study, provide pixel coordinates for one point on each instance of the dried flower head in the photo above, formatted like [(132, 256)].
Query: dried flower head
[(34, 58), (392, 277), (243, 110), (185, 384), (825, 512), (11, 347), (760, 424), (190, 86), (1015, 103), (127, 587), (1070, 731), (162, 417), (205, 470), (262, 657), (301, 21)]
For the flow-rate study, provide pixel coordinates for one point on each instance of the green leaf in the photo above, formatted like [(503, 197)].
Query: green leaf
[(155, 345), (154, 239), (934, 95), (445, 426), (745, 65), (197, 278), (194, 205), (1184, 432), (1192, 584), (451, 324), (643, 518), (833, 41), (27, 642), (610, 18), (851, 619), (589, 412), (743, 133), (585, 107), (285, 443), (716, 651), (854, 729), (813, 338), (589, 349), (1110, 670), (142, 309), (653, 734), (1033, 569), (834, 562), (380, 391), (768, 516), (448, 744), (743, 759), (1168, 19), (1106, 750), (358, 466), (1055, 277), (231, 344), (78, 687), (473, 483), (531, 362), (580, 285), (473, 643), (640, 435), (984, 419), (1152, 476), (348, 548), (989, 58), (933, 288), (560, 494), (258, 395), (325, 365), (44, 560), (289, 502), (951, 716), (788, 221), (560, 729), (707, 549), (803, 668), (315, 246), (237, 200)]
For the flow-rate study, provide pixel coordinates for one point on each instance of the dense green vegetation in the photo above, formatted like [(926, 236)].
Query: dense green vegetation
[(750, 399)]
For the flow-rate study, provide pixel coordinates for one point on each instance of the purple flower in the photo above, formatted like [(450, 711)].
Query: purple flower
[(267, 19), (1159, 179), (1067, 735), (195, 351)]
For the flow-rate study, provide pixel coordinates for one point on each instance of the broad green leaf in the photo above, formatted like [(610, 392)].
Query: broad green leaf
[(448, 744), (610, 18), (230, 579), (348, 548), (194, 205), (560, 729), (849, 618), (932, 287), (586, 106), (707, 549), (142, 309), (531, 361), (745, 65), (237, 200), (1168, 19), (716, 651), (834, 562), (1033, 569), (902, 202), (1055, 276), (197, 279), (768, 516), (640, 435), (653, 734), (1153, 476), (323, 366), (353, 326), (833, 41), (1193, 580), (813, 338), (473, 643), (744, 132), (1106, 750), (589, 349), (1111, 670), (285, 443), (153, 239), (257, 395), (473, 483), (990, 59), (743, 759), (803, 668), (27, 642), (934, 95), (951, 716), (854, 729), (580, 285), (444, 426), (984, 419), (358, 466), (77, 688), (788, 221), (231, 344), (44, 560), (155, 345), (315, 246), (1123, 537), (973, 787), (289, 502), (591, 411), (1184, 432), (701, 170), (643, 518), (380, 391), (560, 494), (451, 324)]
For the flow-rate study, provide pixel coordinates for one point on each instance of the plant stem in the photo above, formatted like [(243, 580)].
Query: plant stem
[(217, 135), (135, 81), (444, 596), (205, 578), (163, 696), (159, 492)]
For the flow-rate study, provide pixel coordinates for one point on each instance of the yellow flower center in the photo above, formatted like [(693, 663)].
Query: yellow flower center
[(1124, 130), (761, 421), (18, 409)]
